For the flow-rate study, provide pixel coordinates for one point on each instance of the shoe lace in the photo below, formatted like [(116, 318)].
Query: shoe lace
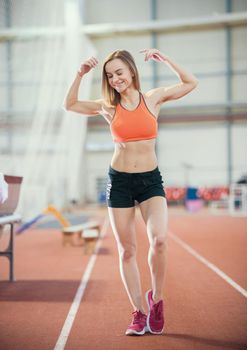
[(138, 316)]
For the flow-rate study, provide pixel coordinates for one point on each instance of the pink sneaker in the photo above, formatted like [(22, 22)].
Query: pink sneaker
[(155, 318), (138, 324)]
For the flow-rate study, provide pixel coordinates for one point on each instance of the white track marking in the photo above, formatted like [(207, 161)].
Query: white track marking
[(209, 264), (63, 337)]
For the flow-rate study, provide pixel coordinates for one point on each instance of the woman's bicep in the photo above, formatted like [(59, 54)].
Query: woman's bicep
[(177, 91), (87, 107), (172, 92)]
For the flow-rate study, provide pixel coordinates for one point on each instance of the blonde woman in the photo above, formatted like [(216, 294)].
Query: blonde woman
[(134, 176)]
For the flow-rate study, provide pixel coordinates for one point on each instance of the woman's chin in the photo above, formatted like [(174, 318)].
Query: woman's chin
[(119, 89)]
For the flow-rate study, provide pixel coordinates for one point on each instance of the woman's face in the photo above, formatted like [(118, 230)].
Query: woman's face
[(119, 75)]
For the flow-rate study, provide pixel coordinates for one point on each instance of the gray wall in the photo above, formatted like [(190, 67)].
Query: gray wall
[(203, 52)]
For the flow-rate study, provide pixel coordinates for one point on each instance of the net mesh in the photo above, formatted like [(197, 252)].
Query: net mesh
[(39, 140)]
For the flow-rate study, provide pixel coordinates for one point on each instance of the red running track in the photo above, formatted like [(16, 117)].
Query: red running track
[(203, 311)]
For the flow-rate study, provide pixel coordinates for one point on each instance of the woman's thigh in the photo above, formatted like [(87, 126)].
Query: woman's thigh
[(123, 225), (155, 215)]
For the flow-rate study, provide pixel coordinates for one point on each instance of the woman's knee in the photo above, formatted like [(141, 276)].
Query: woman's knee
[(127, 252), (159, 244)]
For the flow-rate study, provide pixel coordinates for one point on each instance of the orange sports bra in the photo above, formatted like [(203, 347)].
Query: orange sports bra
[(136, 125)]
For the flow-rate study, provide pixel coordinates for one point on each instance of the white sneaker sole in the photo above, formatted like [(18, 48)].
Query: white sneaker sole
[(132, 332), (148, 317)]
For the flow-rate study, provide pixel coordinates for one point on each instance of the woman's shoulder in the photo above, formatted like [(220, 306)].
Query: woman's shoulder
[(150, 94), (108, 107), (154, 96), (150, 97), (151, 102), (107, 110), (104, 105)]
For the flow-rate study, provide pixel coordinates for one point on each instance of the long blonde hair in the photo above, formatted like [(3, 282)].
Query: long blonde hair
[(111, 96)]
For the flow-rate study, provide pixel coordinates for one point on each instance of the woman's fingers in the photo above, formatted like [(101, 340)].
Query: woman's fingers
[(87, 65), (147, 53), (91, 62), (152, 54)]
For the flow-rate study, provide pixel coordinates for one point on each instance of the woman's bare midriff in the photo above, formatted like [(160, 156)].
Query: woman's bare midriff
[(134, 156)]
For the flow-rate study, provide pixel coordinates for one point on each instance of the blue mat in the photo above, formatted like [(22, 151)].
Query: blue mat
[(53, 223)]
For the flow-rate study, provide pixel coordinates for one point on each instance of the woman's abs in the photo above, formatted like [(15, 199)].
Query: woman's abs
[(135, 157)]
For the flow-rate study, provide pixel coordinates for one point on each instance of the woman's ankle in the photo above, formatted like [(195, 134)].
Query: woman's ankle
[(139, 308), (157, 297)]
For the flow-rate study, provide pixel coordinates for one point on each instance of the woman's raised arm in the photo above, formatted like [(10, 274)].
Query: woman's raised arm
[(188, 81), (71, 103)]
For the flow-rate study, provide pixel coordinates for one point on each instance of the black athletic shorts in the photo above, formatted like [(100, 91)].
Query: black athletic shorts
[(123, 189)]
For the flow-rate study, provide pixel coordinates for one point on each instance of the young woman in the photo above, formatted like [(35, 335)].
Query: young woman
[(134, 176)]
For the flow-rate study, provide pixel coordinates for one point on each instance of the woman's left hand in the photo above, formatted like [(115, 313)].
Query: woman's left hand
[(154, 54)]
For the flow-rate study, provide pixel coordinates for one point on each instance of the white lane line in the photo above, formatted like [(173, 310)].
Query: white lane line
[(211, 266), (63, 337)]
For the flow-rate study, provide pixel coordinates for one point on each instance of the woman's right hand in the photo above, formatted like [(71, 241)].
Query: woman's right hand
[(87, 65)]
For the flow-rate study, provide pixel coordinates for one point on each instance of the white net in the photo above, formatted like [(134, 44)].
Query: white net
[(39, 140)]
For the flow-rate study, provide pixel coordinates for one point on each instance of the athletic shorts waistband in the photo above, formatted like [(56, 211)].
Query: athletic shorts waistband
[(116, 172)]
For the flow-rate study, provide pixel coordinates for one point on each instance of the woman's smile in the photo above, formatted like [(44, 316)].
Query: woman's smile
[(119, 85)]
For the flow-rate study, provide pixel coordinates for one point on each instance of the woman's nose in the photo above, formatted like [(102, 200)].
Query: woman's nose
[(114, 78)]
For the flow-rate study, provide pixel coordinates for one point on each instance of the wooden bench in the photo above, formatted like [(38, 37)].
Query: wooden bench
[(84, 234)]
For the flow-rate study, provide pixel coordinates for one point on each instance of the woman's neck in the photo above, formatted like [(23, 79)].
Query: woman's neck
[(130, 98)]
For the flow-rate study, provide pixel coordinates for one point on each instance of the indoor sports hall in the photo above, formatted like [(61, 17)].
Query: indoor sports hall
[(61, 282)]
